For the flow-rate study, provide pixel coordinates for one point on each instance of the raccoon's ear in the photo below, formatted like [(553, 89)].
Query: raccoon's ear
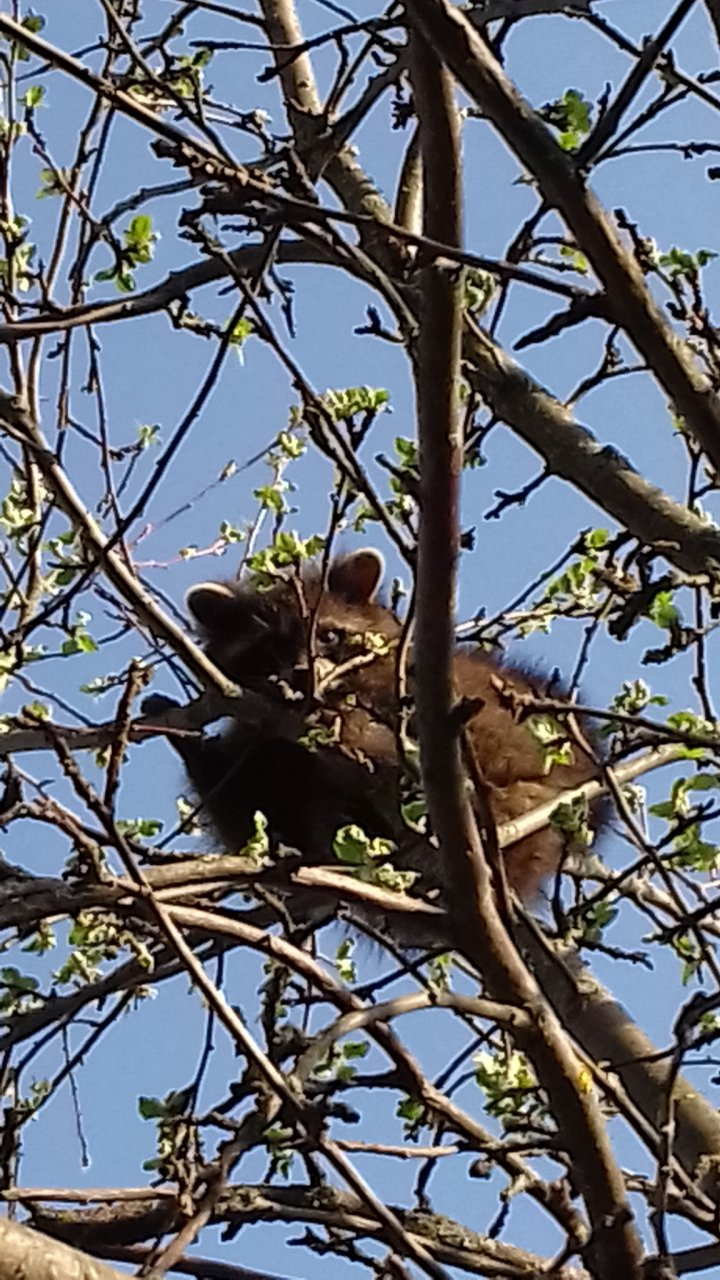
[(356, 577), (212, 604)]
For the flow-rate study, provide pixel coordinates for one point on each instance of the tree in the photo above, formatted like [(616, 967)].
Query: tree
[(164, 214)]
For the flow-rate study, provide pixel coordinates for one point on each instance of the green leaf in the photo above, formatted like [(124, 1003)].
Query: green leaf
[(571, 115), (344, 962), (11, 977), (148, 434), (410, 1109), (38, 710), (343, 405), (242, 330), (258, 846), (33, 96), (32, 22), (678, 263), (173, 1104), (663, 611), (140, 228), (140, 828), (150, 1108)]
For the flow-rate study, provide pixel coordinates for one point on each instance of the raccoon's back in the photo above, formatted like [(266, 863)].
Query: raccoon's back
[(510, 760)]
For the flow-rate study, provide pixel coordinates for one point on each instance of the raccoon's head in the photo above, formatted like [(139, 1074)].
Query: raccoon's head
[(251, 634)]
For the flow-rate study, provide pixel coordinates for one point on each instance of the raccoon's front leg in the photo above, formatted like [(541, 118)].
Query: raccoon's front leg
[(215, 772), (240, 773)]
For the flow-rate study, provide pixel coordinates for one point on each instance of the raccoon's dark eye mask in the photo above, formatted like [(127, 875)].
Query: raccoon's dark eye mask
[(246, 635)]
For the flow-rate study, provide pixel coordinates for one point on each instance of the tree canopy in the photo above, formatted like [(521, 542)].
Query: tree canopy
[(277, 284)]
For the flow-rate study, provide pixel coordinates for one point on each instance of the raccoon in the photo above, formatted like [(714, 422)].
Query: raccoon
[(335, 645)]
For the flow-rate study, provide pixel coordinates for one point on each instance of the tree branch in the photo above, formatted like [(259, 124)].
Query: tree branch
[(563, 187), (27, 1255), (481, 934)]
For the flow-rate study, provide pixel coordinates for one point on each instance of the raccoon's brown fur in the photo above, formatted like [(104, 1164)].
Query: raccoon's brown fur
[(350, 773)]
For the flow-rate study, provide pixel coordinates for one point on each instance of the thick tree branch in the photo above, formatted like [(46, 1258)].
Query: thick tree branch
[(564, 188), (482, 935), (324, 155), (451, 1243), (27, 1255), (599, 471)]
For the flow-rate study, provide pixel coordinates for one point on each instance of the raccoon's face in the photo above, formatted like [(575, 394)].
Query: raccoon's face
[(246, 634), (252, 635)]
